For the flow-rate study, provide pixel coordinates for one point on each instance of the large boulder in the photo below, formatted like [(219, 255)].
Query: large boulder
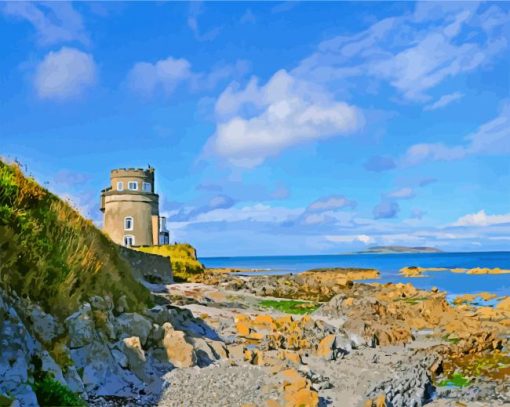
[(132, 324), (179, 352), (80, 327)]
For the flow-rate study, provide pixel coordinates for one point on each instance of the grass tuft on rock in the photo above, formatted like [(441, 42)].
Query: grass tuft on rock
[(290, 306), (52, 255), (51, 392)]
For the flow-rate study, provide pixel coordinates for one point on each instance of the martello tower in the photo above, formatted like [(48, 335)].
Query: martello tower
[(131, 208)]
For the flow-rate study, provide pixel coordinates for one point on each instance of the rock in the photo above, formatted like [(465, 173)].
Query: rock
[(45, 325), (122, 305), (218, 348), (73, 380), (297, 391), (203, 351), (325, 349), (101, 303), (135, 356), (504, 304), (132, 324), (80, 327), (236, 352), (179, 352)]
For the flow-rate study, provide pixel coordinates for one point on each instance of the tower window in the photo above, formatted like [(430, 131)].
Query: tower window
[(129, 240), (120, 186), (133, 185), (128, 223), (147, 187)]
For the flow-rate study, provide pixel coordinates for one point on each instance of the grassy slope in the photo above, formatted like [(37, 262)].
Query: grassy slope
[(182, 256), (51, 254)]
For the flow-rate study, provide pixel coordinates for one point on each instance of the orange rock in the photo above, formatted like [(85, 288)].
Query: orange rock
[(265, 321), (325, 347), (348, 302), (272, 403), (380, 401), (504, 304), (302, 398)]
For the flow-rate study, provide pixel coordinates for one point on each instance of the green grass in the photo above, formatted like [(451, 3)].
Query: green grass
[(456, 379), (52, 255), (183, 258), (5, 401), (290, 306), (51, 392)]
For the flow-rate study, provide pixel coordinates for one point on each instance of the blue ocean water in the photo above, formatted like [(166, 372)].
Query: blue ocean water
[(389, 266)]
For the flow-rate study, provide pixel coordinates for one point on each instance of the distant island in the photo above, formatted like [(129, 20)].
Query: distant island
[(399, 249)]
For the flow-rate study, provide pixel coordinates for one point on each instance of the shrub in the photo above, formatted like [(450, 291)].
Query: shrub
[(51, 392)]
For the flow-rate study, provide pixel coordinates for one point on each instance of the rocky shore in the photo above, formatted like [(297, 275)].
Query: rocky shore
[(233, 342)]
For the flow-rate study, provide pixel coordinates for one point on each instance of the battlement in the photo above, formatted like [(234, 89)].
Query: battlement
[(132, 172)]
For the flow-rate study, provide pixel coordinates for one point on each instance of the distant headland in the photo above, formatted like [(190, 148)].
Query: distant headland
[(399, 249)]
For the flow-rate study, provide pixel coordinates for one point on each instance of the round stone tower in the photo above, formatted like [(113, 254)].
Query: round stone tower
[(131, 207)]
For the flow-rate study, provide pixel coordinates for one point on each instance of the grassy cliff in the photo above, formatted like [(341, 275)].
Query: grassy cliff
[(51, 254), (182, 256)]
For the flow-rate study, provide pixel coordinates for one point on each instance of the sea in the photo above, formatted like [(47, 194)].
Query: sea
[(389, 265)]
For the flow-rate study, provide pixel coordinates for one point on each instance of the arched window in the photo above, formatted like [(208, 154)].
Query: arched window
[(129, 240), (128, 223)]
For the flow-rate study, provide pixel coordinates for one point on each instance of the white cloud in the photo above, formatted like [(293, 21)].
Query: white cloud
[(482, 219), (288, 112), (365, 239), (64, 74), (255, 213), (331, 203), (54, 22), (195, 10), (167, 74), (491, 138), (402, 193), (413, 52), (444, 101)]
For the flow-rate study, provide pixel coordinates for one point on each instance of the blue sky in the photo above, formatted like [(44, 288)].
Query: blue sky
[(275, 128)]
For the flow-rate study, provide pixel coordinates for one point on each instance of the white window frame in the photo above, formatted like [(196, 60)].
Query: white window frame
[(132, 240), (120, 186), (147, 187), (132, 222), (130, 183)]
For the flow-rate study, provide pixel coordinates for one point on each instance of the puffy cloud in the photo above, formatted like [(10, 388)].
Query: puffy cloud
[(64, 74), (380, 163), (167, 74), (444, 101), (55, 22), (288, 112), (386, 209), (482, 219)]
